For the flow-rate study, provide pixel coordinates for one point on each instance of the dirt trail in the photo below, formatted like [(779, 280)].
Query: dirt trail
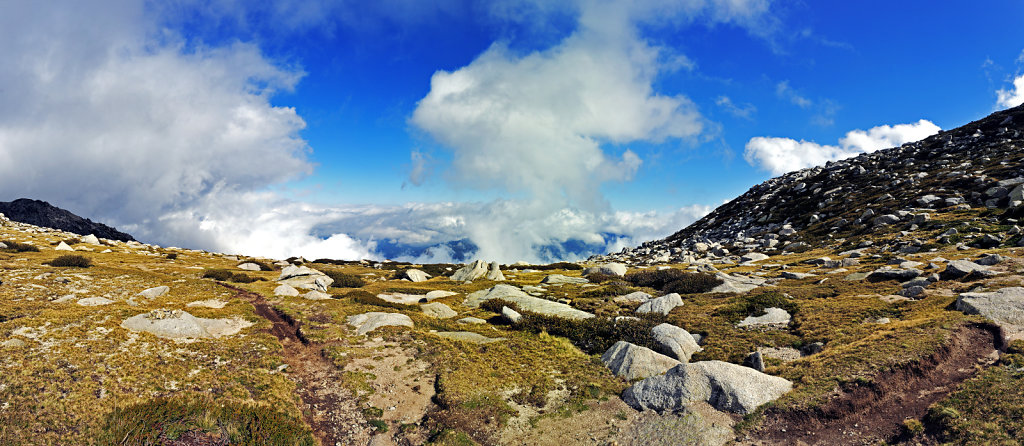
[(331, 410), (874, 413)]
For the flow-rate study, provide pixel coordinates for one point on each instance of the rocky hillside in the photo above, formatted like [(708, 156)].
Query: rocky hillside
[(876, 300), (41, 213), (892, 192)]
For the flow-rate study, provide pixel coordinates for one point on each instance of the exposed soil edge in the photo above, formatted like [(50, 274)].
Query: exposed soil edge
[(875, 411), (297, 350)]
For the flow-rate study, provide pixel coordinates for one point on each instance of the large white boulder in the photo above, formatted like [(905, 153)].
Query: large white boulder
[(152, 293), (725, 386), (179, 325), (286, 291), (661, 305), (305, 277), (675, 342), (471, 272), (415, 275), (632, 361), (614, 269), (438, 310), (91, 239), (494, 273)]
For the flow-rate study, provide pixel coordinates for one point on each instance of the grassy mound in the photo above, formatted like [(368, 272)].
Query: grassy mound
[(70, 261)]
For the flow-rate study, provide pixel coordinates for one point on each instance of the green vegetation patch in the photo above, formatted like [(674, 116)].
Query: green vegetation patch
[(342, 280), (13, 246), (165, 420), (225, 275), (986, 409), (674, 281), (71, 261)]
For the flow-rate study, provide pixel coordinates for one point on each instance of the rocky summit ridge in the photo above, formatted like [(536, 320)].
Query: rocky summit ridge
[(978, 165), (41, 213)]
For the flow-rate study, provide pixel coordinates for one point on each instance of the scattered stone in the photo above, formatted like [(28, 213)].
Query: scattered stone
[(755, 361), (13, 343), (661, 305), (438, 310), (512, 316), (94, 301), (797, 276), (438, 294), (989, 260), (178, 324), (249, 266), (316, 295), (727, 387), (467, 336), (155, 292), (415, 275), (91, 239), (402, 298), (305, 277), (635, 362), (956, 269), (286, 291), (471, 272), (561, 279), (1005, 307), (773, 317), (494, 273), (63, 247), (209, 303), (675, 342), (737, 283), (913, 292), (898, 274), (753, 257), (525, 302), (612, 269), (634, 297), (367, 322), (814, 348), (471, 320)]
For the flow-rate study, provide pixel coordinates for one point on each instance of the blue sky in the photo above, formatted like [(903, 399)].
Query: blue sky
[(390, 129)]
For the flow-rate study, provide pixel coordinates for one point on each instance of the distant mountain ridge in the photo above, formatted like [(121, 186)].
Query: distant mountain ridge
[(41, 213)]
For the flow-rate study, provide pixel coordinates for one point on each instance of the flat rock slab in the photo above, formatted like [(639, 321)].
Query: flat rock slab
[(94, 301), (467, 336), (736, 284), (471, 320), (249, 266), (956, 269), (438, 310), (180, 325), (773, 317), (1005, 307), (555, 279), (635, 297), (404, 299), (525, 302), (209, 303), (367, 322), (155, 292), (725, 386), (632, 361), (438, 294)]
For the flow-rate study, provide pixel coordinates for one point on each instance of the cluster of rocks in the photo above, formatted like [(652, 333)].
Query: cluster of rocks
[(893, 189)]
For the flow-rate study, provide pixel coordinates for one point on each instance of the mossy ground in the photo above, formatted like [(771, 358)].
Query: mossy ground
[(79, 367)]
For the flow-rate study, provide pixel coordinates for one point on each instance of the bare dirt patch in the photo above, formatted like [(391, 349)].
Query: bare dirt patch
[(873, 412)]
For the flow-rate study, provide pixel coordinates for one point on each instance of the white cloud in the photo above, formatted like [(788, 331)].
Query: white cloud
[(781, 155), (784, 91), (744, 111), (1012, 97)]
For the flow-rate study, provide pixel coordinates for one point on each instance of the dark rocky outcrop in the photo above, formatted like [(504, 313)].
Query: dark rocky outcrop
[(41, 213)]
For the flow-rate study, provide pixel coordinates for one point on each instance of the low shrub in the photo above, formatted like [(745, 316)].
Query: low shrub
[(611, 289), (205, 421), (263, 266), (70, 261), (172, 256), (601, 277), (559, 265), (594, 335), (674, 281), (71, 241), (224, 275), (367, 298), (755, 304), (19, 247), (342, 280)]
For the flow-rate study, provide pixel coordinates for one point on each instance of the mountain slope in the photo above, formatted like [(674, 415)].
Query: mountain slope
[(976, 165), (41, 213)]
